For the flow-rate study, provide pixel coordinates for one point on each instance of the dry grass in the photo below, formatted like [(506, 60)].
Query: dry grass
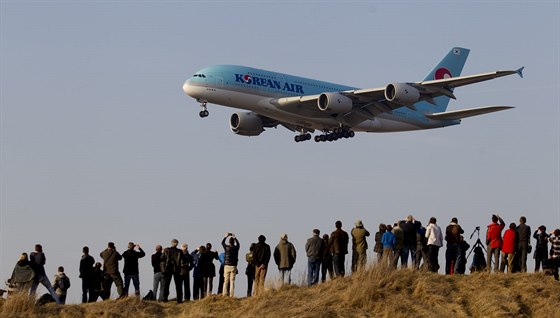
[(377, 292)]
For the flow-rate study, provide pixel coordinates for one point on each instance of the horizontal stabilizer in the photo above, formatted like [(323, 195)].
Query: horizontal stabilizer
[(463, 113)]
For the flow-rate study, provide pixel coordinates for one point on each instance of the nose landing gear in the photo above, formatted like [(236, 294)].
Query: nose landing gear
[(204, 112)]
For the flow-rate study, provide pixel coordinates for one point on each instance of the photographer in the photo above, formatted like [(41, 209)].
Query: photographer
[(231, 258), (494, 241)]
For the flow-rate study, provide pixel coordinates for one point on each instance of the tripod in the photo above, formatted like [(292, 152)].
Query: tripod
[(482, 262)]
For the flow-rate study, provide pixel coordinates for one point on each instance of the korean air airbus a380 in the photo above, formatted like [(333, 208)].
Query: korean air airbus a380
[(304, 105)]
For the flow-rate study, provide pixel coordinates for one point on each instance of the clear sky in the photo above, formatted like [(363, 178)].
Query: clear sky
[(99, 143)]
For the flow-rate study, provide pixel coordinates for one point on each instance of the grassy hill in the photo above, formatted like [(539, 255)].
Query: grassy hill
[(377, 292)]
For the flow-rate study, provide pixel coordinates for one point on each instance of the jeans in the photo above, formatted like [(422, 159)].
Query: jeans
[(43, 279), (135, 280), (433, 264), (285, 276), (338, 264), (158, 284), (404, 255), (229, 280), (86, 288), (313, 267), (326, 266)]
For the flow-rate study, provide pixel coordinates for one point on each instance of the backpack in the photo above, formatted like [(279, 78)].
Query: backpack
[(64, 283)]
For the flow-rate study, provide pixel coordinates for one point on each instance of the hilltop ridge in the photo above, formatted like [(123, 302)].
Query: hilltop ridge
[(376, 292)]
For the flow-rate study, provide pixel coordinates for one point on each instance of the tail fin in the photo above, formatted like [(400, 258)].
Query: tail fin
[(450, 66)]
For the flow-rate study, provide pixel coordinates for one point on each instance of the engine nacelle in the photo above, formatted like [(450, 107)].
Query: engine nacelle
[(402, 94), (246, 124), (334, 103)]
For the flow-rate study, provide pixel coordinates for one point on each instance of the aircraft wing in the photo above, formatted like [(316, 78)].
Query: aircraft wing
[(464, 113), (371, 102)]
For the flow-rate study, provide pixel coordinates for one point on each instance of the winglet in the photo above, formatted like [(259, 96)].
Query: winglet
[(519, 71)]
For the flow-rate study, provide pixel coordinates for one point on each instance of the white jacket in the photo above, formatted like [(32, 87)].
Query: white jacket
[(433, 234)]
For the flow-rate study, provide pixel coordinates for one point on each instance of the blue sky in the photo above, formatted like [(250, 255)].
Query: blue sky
[(97, 134)]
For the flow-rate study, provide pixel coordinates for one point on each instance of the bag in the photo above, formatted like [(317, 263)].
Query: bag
[(64, 283), (150, 296)]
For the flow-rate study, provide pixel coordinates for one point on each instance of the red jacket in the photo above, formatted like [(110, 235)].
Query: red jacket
[(494, 235), (510, 239)]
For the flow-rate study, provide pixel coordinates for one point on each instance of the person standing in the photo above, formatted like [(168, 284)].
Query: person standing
[(261, 257), (359, 246), (378, 248), (388, 241), (555, 250), (453, 253), (158, 274), (494, 241), (130, 269), (231, 259), (509, 243), (285, 258), (208, 269), (23, 274), (186, 266), (338, 243), (250, 269), (313, 248), (111, 260), (399, 244), (326, 260), (541, 248), (171, 257), (38, 260), (524, 236), (435, 241), (410, 227), (86, 272), (198, 281), (61, 284)]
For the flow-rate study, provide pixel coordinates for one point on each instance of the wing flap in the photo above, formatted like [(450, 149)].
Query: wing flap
[(464, 113)]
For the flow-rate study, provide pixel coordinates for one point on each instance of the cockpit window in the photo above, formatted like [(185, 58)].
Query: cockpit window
[(199, 75)]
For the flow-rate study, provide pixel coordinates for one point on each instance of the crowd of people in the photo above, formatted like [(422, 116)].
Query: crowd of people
[(325, 255)]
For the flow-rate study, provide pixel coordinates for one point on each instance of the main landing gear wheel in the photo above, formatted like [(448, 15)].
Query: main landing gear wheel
[(337, 134), (302, 137)]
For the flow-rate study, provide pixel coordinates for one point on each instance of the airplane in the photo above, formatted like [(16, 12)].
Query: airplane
[(306, 105)]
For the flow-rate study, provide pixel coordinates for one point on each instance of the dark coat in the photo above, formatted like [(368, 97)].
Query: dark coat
[(261, 254), (171, 257), (86, 266), (111, 260), (206, 263), (338, 242), (231, 252), (131, 257)]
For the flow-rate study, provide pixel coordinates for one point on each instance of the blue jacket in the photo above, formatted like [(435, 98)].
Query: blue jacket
[(388, 240)]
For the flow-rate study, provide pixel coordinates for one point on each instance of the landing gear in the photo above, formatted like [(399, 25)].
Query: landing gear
[(336, 134), (204, 112), (302, 137)]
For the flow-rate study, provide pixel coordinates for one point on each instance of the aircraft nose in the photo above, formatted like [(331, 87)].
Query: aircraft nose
[(187, 87)]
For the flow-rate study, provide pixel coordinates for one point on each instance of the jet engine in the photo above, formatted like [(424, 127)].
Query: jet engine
[(246, 124), (401, 93), (334, 103)]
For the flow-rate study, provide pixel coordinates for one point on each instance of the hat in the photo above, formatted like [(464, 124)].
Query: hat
[(359, 223)]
